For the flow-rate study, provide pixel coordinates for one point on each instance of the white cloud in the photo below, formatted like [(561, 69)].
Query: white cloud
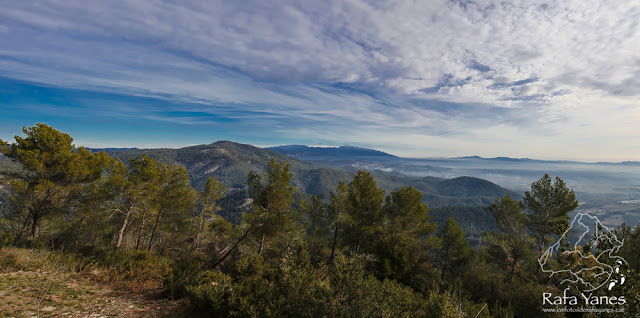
[(559, 68)]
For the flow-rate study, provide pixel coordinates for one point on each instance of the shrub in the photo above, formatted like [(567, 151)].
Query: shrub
[(184, 272)]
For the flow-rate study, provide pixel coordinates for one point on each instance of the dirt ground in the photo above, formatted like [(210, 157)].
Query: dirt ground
[(45, 294)]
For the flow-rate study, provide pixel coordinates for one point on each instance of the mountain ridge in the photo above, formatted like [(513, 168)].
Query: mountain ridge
[(231, 162), (341, 151)]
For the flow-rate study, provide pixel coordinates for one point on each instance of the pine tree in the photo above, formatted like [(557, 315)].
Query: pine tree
[(549, 205), (175, 200), (454, 252), (57, 172), (337, 211), (272, 196), (403, 244), (135, 189), (512, 222), (207, 206), (364, 209)]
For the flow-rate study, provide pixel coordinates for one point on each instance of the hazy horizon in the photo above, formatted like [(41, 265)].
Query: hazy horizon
[(348, 145)]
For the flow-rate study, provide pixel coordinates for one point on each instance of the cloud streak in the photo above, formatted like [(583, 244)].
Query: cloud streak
[(458, 72)]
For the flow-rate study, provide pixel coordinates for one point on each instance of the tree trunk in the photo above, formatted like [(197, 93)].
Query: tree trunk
[(196, 243), (24, 227), (153, 231), (335, 242), (124, 226), (514, 253), (35, 229), (444, 265), (261, 243), (75, 242), (144, 219), (223, 257)]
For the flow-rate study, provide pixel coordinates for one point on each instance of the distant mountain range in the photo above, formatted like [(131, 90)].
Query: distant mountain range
[(509, 159), (446, 183), (108, 149), (231, 162), (301, 151)]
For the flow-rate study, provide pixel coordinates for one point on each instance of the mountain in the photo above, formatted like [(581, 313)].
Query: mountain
[(231, 162), (515, 160), (528, 160), (109, 149), (300, 151)]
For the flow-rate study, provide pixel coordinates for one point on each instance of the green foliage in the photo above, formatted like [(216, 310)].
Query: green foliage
[(474, 220), (298, 289), (210, 293), (135, 271), (364, 210), (319, 228), (208, 207), (403, 245), (512, 222), (153, 199), (444, 305), (407, 213), (183, 272), (630, 251), (135, 189), (454, 252), (355, 254), (272, 196), (20, 259), (175, 200), (337, 214), (506, 295), (231, 162), (549, 205), (57, 173)]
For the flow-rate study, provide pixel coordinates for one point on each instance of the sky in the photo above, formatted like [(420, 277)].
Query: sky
[(536, 79)]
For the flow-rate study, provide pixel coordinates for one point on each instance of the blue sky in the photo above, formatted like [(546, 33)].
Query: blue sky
[(549, 80)]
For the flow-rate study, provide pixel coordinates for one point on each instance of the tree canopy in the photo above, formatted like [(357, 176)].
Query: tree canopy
[(57, 172)]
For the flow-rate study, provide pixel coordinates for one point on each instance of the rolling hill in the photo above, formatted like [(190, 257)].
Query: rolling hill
[(465, 199), (230, 162)]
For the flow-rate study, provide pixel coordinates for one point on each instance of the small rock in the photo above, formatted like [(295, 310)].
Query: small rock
[(48, 308)]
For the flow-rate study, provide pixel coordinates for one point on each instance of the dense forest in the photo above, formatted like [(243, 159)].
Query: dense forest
[(358, 251)]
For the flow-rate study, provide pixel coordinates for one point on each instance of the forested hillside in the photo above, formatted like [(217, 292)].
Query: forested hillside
[(360, 251), (230, 163)]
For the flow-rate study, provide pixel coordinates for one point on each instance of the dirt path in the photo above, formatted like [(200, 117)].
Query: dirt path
[(45, 294)]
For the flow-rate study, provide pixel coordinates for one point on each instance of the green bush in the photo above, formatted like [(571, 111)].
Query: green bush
[(184, 272), (136, 270), (298, 289), (211, 293)]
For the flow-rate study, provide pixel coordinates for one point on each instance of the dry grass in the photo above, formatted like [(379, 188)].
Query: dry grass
[(45, 284)]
